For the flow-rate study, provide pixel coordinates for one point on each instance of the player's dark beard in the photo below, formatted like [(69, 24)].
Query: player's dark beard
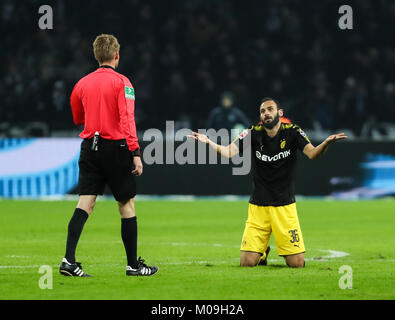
[(272, 124)]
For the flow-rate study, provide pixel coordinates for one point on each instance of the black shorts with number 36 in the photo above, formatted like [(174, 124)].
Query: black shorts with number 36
[(111, 164)]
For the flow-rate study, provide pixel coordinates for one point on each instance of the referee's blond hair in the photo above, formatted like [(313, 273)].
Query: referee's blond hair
[(104, 47)]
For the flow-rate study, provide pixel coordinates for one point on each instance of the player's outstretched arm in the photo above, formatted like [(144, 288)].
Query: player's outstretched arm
[(226, 151), (315, 152)]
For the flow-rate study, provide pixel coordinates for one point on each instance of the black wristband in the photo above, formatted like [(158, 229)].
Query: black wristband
[(136, 153)]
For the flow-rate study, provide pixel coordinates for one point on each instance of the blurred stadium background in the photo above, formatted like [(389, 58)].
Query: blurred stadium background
[(188, 61)]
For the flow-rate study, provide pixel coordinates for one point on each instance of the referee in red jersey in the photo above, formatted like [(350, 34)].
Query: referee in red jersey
[(103, 101)]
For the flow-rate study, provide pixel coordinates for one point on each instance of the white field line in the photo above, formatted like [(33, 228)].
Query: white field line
[(198, 262), (332, 254), (228, 261), (25, 267)]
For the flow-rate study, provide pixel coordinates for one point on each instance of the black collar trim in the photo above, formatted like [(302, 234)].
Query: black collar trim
[(106, 66)]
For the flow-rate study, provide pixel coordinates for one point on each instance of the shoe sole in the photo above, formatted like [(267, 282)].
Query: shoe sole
[(65, 273), (68, 274)]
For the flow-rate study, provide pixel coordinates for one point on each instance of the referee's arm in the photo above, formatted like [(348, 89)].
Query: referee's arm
[(127, 119), (128, 125), (77, 108)]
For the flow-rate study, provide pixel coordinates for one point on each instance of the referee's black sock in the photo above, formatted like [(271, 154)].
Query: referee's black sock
[(76, 225), (129, 238)]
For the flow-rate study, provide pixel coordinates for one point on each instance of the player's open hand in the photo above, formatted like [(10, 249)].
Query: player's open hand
[(138, 166), (335, 137), (199, 137)]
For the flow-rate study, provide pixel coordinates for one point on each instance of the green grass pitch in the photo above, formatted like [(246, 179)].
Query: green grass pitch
[(196, 246)]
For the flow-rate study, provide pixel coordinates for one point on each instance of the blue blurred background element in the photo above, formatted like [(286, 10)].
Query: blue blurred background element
[(38, 167), (380, 171), (377, 176)]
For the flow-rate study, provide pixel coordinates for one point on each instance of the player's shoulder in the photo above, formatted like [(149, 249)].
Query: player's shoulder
[(125, 80), (109, 74), (246, 132), (85, 78), (254, 130), (84, 82), (290, 127), (256, 127)]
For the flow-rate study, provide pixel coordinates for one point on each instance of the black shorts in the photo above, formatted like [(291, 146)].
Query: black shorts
[(112, 164)]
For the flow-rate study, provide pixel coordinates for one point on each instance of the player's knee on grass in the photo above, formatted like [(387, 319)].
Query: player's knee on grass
[(295, 261), (249, 259)]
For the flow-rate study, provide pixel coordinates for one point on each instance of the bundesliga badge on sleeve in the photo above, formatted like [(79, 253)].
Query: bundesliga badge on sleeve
[(243, 134), (129, 93)]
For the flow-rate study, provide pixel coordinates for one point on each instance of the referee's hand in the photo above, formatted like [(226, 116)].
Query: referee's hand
[(138, 166)]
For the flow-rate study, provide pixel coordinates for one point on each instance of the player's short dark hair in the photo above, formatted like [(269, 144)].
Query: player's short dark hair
[(271, 99)]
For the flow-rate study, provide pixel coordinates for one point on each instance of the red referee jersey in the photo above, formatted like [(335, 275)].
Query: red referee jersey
[(104, 101)]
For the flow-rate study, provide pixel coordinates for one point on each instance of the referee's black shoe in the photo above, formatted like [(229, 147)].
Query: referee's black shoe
[(72, 269), (141, 270), (263, 262)]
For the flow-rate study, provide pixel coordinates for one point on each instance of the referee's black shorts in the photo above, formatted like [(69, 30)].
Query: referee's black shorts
[(112, 164)]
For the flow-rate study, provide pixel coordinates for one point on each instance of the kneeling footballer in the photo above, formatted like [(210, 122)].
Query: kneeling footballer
[(272, 207)]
